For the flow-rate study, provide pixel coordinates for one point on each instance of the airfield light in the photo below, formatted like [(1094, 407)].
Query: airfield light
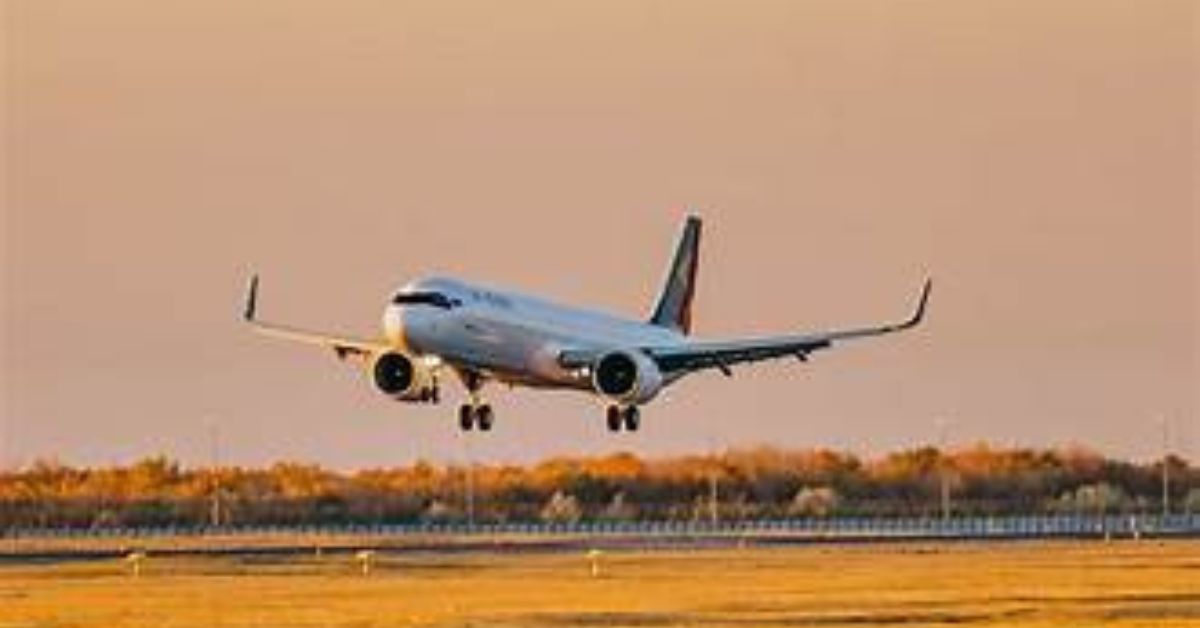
[(134, 560), (594, 556), (365, 559)]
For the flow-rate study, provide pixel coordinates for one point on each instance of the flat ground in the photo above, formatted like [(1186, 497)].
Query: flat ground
[(1123, 583)]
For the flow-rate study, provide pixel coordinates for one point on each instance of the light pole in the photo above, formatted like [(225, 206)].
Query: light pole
[(214, 443), (944, 471), (3, 440), (469, 482), (1166, 468), (714, 498)]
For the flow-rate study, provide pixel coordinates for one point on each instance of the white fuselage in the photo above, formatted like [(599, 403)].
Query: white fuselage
[(509, 336)]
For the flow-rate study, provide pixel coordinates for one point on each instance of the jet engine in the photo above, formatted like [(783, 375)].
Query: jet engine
[(628, 377), (403, 377)]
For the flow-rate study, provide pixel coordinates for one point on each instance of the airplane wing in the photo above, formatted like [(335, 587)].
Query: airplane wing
[(721, 355), (341, 345)]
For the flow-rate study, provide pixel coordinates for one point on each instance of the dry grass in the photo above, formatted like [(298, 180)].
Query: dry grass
[(1020, 584)]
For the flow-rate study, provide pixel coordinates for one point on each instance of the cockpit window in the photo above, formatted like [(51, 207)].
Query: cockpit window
[(435, 299)]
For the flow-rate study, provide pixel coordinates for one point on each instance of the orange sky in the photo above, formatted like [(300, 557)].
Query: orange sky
[(1038, 158)]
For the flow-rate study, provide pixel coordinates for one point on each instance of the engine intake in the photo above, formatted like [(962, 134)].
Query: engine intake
[(626, 377), (400, 376)]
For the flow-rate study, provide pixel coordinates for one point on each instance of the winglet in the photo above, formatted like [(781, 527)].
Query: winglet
[(251, 300), (919, 315)]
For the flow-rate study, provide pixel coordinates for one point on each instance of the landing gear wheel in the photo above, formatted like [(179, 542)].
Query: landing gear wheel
[(483, 418), (466, 417), (633, 418), (614, 419)]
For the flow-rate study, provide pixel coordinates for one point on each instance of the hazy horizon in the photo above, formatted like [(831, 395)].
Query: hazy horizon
[(1038, 160)]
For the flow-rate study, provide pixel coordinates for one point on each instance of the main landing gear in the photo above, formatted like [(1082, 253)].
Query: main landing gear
[(628, 417), (471, 415), (474, 413)]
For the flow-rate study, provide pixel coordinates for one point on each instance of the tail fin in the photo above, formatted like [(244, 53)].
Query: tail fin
[(674, 308)]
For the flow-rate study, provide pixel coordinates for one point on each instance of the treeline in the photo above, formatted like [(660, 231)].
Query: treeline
[(762, 483)]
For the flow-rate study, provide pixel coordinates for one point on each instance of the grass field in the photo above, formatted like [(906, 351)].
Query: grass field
[(1016, 584)]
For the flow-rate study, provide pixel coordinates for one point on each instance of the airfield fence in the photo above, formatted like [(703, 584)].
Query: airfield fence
[(798, 530)]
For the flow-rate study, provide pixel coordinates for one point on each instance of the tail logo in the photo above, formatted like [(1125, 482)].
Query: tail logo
[(674, 308)]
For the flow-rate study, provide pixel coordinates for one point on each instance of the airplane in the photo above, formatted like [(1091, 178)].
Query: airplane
[(439, 325)]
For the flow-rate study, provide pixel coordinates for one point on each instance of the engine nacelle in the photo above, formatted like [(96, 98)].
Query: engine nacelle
[(628, 377), (403, 377)]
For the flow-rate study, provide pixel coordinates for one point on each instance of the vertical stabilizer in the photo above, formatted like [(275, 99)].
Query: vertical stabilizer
[(674, 308)]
